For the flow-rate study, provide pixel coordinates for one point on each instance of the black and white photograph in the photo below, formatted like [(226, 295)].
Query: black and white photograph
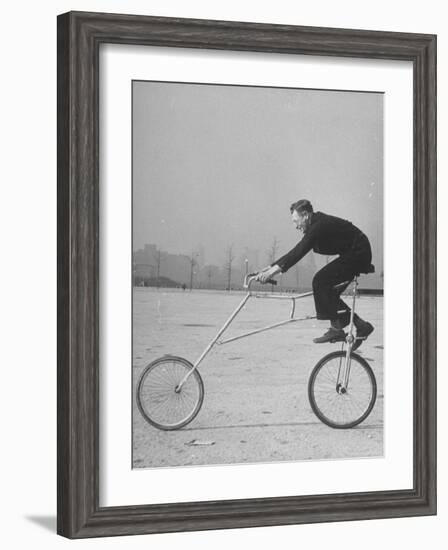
[(257, 274), (224, 255)]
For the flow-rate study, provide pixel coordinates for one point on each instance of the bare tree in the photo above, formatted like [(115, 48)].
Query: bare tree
[(272, 252), (193, 263), (209, 275), (228, 265)]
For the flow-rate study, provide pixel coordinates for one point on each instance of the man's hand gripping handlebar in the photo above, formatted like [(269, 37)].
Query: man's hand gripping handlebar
[(250, 277)]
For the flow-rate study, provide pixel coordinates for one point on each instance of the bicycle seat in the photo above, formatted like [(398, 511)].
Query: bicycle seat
[(369, 269), (344, 283)]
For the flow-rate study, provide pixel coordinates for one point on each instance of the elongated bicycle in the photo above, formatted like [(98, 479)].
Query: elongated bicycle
[(341, 389)]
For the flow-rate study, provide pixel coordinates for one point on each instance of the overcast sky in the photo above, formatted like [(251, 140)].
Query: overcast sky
[(219, 165)]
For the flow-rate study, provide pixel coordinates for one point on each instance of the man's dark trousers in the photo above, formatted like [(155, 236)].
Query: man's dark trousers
[(327, 300)]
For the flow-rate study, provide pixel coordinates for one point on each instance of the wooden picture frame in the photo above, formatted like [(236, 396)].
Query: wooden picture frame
[(79, 38)]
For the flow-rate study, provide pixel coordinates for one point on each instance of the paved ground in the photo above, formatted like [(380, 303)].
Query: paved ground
[(256, 407)]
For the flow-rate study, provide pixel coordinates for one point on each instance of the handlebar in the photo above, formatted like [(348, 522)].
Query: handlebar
[(252, 276)]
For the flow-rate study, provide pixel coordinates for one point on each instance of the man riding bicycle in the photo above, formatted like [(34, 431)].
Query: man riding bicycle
[(329, 235)]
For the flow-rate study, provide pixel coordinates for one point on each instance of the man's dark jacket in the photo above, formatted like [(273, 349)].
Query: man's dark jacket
[(330, 235)]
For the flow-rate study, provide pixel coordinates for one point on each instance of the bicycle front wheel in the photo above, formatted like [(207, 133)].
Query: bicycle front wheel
[(159, 398), (338, 406)]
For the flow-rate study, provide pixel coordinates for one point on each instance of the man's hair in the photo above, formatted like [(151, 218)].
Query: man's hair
[(301, 206)]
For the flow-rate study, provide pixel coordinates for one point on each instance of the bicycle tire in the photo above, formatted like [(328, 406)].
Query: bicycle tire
[(317, 409), (171, 369)]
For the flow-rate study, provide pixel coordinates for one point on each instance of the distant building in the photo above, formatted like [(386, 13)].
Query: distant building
[(146, 256), (151, 262)]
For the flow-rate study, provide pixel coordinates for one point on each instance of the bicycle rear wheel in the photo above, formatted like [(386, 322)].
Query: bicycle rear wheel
[(159, 399), (342, 407)]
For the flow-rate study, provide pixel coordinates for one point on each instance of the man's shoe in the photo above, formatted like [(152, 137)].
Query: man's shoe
[(363, 330), (332, 335)]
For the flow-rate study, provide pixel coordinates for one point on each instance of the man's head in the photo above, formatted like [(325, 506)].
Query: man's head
[(301, 212)]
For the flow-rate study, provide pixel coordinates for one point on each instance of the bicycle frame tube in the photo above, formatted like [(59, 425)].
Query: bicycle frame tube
[(350, 340), (233, 315), (280, 323), (209, 347), (258, 330)]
